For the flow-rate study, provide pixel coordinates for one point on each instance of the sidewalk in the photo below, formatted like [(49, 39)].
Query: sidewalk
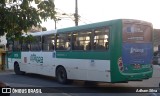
[(7, 70)]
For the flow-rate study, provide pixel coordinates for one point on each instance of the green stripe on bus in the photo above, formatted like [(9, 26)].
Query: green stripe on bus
[(16, 55), (103, 55)]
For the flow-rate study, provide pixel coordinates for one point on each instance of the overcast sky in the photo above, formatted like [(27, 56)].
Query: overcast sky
[(91, 11)]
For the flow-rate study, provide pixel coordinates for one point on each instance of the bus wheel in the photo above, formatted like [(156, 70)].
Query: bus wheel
[(17, 69), (61, 75)]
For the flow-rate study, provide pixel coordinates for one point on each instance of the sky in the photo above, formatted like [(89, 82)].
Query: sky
[(91, 11)]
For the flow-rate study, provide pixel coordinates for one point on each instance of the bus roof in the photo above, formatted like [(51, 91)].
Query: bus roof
[(88, 26), (100, 24), (68, 29), (43, 33)]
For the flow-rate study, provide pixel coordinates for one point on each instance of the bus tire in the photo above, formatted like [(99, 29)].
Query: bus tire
[(17, 69), (61, 75)]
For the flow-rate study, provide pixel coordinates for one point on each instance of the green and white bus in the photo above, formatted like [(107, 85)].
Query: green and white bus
[(111, 51)]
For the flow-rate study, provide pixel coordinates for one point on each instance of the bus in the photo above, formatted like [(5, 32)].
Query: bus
[(113, 51)]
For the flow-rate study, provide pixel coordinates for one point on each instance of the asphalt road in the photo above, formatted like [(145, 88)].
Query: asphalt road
[(34, 80)]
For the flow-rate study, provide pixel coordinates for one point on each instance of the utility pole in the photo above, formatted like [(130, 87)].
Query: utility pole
[(55, 22), (76, 13)]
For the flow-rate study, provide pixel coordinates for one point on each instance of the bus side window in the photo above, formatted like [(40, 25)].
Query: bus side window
[(25, 47), (10, 47), (75, 42), (48, 43), (36, 44), (107, 44), (84, 38), (26, 44), (16, 46), (44, 43), (51, 45), (101, 39), (63, 41), (88, 46)]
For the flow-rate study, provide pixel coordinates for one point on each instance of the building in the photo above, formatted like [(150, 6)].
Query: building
[(35, 29), (156, 39), (3, 49)]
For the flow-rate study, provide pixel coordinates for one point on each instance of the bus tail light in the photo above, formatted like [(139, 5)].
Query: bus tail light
[(120, 64)]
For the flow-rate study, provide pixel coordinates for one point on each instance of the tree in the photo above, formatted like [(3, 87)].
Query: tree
[(18, 16)]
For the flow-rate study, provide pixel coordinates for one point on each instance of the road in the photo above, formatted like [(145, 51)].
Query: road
[(34, 80)]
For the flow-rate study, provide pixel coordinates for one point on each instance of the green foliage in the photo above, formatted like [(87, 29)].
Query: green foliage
[(27, 38), (18, 16)]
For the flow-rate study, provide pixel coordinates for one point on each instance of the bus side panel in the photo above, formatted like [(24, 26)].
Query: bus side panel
[(99, 70), (78, 69), (49, 63), (115, 48), (83, 65), (28, 66), (13, 57), (39, 62), (10, 64), (83, 69)]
